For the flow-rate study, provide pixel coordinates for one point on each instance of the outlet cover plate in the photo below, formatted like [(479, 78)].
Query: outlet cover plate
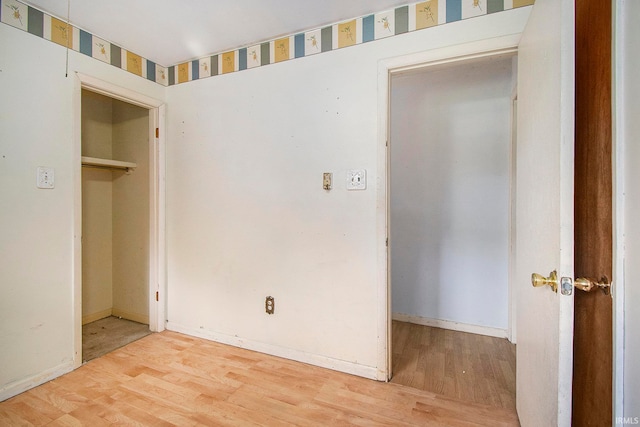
[(45, 177), (270, 305)]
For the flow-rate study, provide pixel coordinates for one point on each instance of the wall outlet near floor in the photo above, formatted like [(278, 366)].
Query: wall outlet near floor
[(270, 305)]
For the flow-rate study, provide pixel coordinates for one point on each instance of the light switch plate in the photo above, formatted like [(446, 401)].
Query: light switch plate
[(356, 179), (45, 177), (326, 180)]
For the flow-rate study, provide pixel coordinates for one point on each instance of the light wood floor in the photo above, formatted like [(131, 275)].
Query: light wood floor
[(470, 367), (105, 335), (172, 379)]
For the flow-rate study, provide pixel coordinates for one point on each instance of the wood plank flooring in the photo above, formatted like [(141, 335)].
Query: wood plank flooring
[(105, 335), (469, 367), (171, 379)]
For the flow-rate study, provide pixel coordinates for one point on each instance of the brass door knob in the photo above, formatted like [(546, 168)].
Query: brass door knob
[(538, 280), (587, 284)]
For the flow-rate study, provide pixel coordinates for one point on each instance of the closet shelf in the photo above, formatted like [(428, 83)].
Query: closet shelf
[(107, 163)]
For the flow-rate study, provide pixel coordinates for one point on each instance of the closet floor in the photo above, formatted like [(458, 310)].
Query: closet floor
[(105, 335), (464, 366)]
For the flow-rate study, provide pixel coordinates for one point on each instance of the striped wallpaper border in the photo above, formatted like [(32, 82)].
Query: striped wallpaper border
[(355, 31), (38, 23)]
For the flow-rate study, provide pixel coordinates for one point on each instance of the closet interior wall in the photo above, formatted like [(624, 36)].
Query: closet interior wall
[(115, 211)]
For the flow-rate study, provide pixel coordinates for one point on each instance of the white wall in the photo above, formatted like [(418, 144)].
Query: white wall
[(628, 134), (36, 242), (450, 143), (246, 213)]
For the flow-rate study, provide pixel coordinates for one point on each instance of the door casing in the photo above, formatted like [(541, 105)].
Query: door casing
[(157, 262), (505, 45)]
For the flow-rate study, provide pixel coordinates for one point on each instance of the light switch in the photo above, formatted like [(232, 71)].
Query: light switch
[(356, 179), (45, 177), (326, 180)]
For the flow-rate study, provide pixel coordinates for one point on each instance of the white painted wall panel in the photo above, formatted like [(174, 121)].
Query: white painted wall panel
[(246, 213)]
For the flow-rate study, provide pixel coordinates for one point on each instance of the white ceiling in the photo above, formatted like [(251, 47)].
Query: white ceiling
[(169, 32)]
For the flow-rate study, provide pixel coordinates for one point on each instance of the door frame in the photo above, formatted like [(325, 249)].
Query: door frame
[(621, 175), (157, 191), (386, 68)]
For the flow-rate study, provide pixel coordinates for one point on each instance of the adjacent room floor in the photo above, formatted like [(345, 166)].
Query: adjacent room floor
[(105, 335), (460, 365)]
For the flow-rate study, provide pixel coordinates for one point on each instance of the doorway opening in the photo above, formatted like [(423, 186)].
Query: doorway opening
[(119, 216), (450, 169)]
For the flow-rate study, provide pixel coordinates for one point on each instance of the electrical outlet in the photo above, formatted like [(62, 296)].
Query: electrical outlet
[(45, 177), (270, 305)]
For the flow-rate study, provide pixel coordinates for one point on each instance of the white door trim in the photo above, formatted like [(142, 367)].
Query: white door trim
[(618, 204), (386, 68), (157, 264), (513, 156)]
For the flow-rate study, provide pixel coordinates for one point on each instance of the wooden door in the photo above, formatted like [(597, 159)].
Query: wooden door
[(593, 342), (544, 213)]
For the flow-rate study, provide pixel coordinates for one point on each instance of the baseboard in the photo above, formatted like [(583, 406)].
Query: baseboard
[(274, 350), (17, 387), (96, 316), (454, 326), (140, 318)]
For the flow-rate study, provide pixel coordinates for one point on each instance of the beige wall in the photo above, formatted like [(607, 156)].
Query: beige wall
[(131, 213), (115, 267), (97, 193)]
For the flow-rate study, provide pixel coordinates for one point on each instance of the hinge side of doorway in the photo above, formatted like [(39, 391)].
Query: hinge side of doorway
[(157, 132)]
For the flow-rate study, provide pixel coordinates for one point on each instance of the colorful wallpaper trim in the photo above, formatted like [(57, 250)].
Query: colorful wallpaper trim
[(38, 23), (403, 19)]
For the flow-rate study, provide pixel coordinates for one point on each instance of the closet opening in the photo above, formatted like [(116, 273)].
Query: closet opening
[(450, 220), (119, 206)]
